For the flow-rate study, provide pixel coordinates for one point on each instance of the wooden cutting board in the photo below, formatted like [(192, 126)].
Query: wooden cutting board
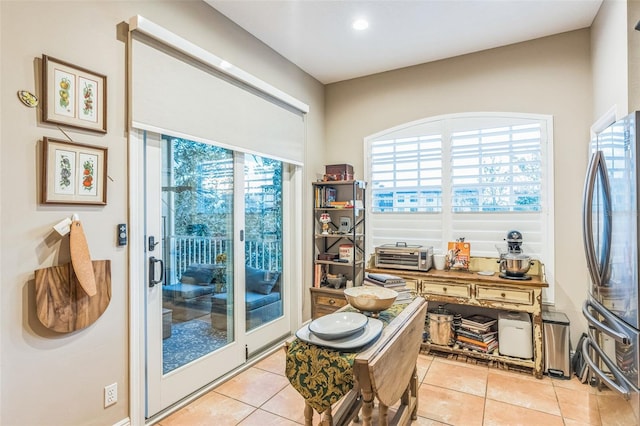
[(62, 304), (81, 258)]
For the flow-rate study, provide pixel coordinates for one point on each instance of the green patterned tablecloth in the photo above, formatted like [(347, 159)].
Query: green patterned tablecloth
[(323, 375)]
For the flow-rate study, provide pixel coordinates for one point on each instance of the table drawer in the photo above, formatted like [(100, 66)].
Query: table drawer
[(520, 296), (330, 301), (447, 289), (320, 311), (411, 284)]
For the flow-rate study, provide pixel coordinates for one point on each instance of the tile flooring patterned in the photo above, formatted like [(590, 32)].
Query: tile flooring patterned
[(450, 393)]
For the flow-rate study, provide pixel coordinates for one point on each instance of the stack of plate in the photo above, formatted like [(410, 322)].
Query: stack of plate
[(341, 330)]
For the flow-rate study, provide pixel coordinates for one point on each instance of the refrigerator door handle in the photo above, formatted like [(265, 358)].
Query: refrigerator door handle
[(613, 329), (599, 269), (605, 260), (622, 387), (587, 219)]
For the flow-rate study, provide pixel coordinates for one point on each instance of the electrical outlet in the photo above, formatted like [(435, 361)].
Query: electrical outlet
[(110, 394)]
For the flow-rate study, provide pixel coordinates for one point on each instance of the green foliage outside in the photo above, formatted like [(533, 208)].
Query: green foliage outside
[(202, 190)]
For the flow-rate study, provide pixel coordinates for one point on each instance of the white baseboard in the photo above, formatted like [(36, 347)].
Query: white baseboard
[(123, 422)]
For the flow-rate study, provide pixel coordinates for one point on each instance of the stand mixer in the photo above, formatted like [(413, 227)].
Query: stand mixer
[(513, 263)]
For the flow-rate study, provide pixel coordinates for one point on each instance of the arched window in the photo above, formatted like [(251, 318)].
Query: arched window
[(471, 175)]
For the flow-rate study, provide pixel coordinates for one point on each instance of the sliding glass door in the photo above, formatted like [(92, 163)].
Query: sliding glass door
[(214, 259), (221, 234)]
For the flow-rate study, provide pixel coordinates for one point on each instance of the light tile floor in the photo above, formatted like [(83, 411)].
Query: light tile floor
[(450, 393)]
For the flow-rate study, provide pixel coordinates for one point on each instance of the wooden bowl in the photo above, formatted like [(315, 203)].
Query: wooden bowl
[(370, 299)]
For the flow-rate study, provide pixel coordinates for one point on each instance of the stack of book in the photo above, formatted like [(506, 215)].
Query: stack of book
[(393, 282), (478, 332), (324, 196)]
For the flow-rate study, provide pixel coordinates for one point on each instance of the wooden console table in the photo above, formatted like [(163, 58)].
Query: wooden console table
[(471, 289), (385, 370), (325, 300)]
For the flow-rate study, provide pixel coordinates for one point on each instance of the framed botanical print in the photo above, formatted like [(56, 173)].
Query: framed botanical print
[(73, 96), (73, 173)]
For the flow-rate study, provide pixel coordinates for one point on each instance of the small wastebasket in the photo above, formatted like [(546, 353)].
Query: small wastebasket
[(555, 329)]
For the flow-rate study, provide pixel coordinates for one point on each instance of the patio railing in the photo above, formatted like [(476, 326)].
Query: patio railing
[(185, 250)]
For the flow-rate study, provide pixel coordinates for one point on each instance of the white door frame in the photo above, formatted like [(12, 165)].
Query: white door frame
[(136, 288), (137, 283)]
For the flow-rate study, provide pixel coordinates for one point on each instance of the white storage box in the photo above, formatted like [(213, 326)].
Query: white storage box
[(515, 335)]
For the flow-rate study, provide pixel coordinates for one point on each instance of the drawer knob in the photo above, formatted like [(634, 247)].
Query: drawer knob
[(502, 294), (444, 289), (332, 302)]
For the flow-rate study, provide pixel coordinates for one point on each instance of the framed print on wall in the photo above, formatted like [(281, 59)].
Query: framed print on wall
[(73, 96), (73, 173)]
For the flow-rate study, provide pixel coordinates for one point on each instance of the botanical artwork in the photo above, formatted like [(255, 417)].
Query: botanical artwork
[(87, 99), (65, 172), (74, 173), (88, 180), (64, 102), (73, 96)]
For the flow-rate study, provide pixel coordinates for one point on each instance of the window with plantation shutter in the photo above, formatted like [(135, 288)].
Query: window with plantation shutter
[(407, 174), (496, 169), (474, 176)]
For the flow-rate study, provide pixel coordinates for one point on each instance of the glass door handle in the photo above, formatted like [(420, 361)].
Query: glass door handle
[(152, 271)]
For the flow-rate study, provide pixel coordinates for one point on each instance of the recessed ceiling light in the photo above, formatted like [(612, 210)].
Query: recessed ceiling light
[(360, 24)]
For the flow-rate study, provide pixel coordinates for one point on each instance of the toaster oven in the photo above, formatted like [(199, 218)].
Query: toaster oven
[(403, 256)]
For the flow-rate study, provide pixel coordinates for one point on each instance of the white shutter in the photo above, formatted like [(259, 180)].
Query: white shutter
[(497, 169), (406, 174), (476, 175)]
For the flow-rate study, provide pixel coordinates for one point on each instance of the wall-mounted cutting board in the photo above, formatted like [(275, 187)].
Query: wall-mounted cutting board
[(63, 305), (81, 258)]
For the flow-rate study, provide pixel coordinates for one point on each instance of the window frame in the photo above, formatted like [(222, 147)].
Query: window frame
[(454, 225)]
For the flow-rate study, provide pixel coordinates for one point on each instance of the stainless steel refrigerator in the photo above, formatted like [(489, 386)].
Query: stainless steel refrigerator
[(610, 234)]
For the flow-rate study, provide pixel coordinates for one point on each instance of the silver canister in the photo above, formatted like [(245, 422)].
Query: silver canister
[(441, 327)]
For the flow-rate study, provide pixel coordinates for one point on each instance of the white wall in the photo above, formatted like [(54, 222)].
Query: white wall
[(609, 52), (633, 55), (551, 75), (49, 378), (615, 58)]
